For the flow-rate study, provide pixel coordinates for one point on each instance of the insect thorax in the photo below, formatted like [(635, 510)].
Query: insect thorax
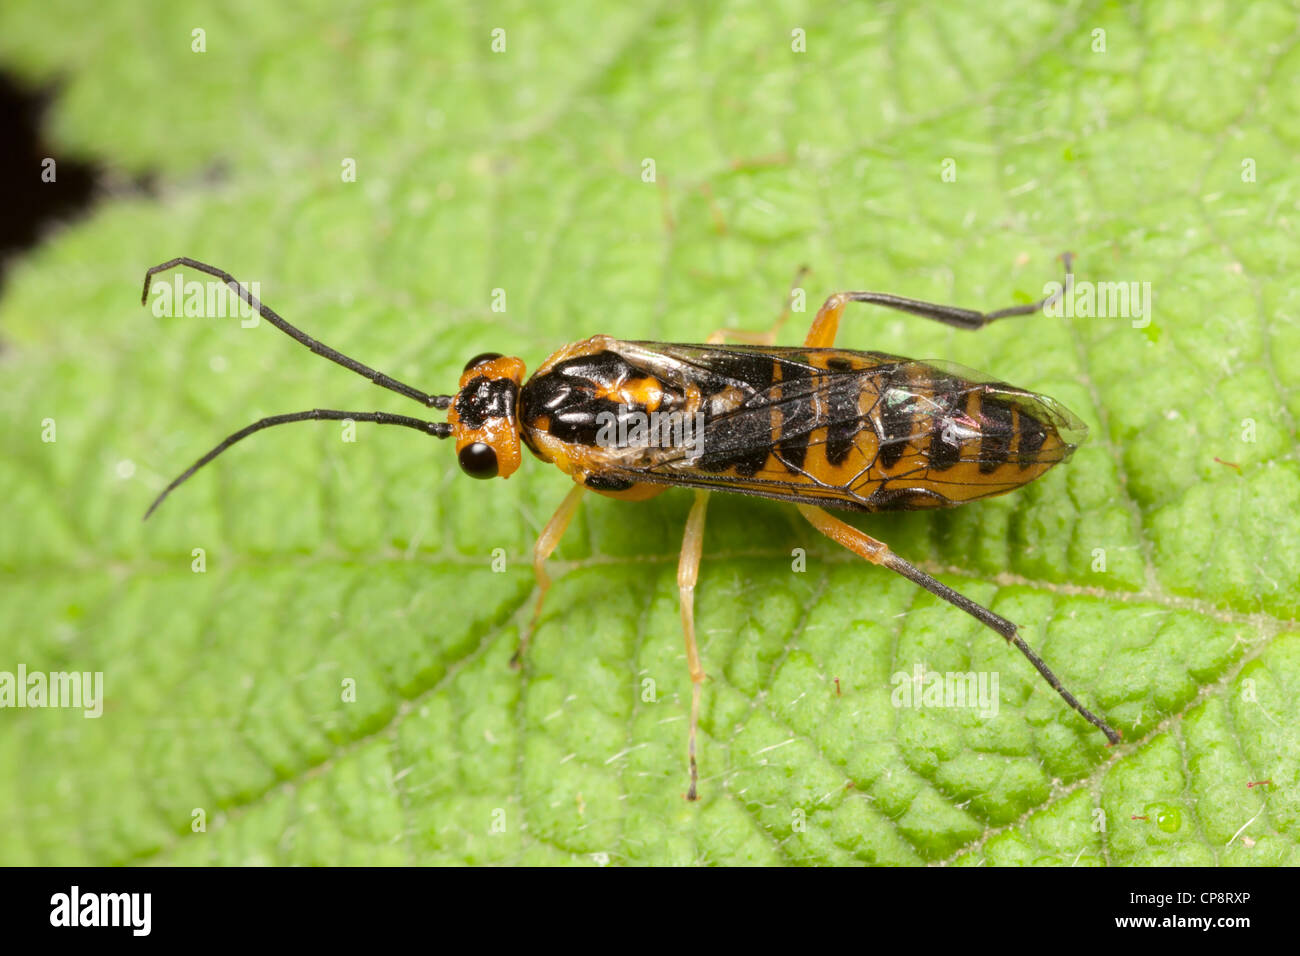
[(590, 408)]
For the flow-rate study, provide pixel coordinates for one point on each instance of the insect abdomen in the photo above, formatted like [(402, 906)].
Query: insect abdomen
[(875, 432), (965, 440)]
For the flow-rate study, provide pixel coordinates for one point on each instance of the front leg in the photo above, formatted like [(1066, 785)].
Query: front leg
[(547, 542)]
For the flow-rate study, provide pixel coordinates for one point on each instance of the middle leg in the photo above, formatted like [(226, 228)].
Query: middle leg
[(688, 572), (750, 337)]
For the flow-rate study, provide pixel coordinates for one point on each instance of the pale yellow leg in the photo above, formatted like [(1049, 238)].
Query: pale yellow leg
[(750, 337), (547, 542), (688, 572)]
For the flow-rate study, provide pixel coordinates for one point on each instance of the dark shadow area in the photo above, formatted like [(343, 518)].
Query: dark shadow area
[(29, 204)]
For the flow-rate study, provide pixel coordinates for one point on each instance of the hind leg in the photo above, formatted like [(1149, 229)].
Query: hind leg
[(827, 321), (877, 552)]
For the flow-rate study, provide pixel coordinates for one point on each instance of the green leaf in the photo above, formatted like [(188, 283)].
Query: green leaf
[(1160, 583)]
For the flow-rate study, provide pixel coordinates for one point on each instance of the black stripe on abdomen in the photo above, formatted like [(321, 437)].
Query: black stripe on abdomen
[(895, 418), (1032, 436), (944, 452), (996, 431), (843, 417), (798, 417)]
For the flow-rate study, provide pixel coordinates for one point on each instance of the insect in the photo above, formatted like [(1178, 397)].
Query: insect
[(813, 425)]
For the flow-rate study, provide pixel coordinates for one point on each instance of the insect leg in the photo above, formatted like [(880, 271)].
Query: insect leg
[(827, 321), (750, 337), (877, 552), (547, 542), (688, 572)]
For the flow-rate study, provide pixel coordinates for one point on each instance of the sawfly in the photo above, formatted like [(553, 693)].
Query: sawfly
[(814, 425)]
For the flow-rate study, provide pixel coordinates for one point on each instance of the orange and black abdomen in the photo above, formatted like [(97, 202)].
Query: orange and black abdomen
[(928, 435), (859, 430)]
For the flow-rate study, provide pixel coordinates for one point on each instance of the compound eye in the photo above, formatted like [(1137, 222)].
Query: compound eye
[(478, 460), (481, 358)]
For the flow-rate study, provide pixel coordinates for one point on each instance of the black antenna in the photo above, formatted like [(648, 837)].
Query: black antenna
[(436, 429), (379, 378)]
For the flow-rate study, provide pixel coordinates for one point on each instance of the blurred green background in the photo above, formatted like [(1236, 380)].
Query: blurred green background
[(1157, 142)]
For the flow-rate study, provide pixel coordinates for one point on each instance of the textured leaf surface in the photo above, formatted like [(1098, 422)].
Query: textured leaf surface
[(522, 171)]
